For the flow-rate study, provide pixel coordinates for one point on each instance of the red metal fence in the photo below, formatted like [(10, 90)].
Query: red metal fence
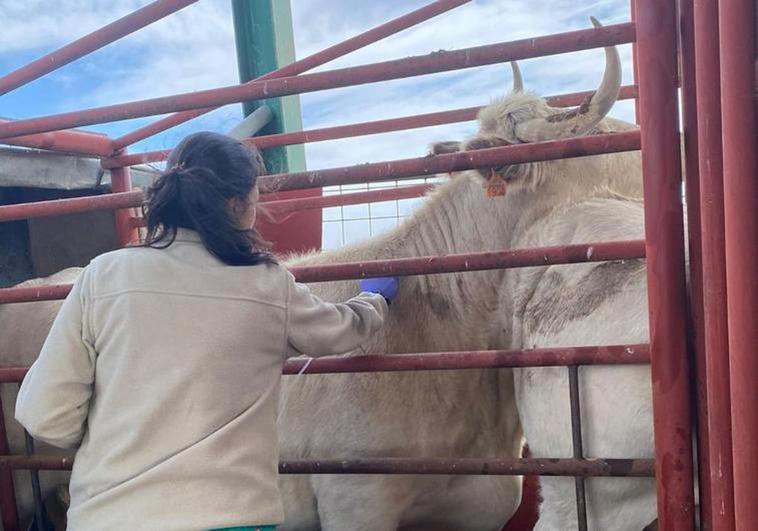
[(722, 201)]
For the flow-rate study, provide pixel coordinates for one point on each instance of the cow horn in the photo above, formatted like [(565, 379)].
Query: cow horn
[(518, 82), (583, 119)]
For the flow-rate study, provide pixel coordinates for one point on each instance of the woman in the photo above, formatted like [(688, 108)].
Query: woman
[(164, 363)]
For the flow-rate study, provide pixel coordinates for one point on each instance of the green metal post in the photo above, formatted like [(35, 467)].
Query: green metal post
[(265, 42), (264, 38)]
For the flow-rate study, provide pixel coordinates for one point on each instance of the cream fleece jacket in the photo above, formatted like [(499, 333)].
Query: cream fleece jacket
[(163, 369)]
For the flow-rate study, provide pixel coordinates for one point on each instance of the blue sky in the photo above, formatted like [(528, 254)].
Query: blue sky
[(194, 50)]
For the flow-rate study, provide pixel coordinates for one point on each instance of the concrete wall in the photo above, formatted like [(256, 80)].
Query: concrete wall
[(42, 246)]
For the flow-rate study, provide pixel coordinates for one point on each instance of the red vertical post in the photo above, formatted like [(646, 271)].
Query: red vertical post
[(121, 181), (8, 510), (664, 247), (695, 294), (721, 499), (633, 15), (738, 114)]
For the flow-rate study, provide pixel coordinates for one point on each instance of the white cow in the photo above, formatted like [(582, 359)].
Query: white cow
[(424, 414), (345, 415), (23, 328), (574, 305)]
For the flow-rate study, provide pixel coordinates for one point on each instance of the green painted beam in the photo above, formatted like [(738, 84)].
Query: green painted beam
[(265, 42)]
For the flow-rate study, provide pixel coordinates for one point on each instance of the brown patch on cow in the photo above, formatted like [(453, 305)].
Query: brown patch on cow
[(485, 142), (562, 116), (439, 305), (440, 148), (555, 302), (584, 108)]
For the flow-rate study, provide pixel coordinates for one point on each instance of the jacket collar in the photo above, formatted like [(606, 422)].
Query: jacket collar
[(187, 235)]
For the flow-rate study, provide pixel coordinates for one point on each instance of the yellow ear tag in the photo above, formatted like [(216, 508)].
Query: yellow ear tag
[(496, 185)]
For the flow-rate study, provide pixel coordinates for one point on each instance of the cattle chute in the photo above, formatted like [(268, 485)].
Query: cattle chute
[(654, 32)]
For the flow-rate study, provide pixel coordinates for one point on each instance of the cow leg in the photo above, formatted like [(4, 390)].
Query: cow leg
[(362, 503)]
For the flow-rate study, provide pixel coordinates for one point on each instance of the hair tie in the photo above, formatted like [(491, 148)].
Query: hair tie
[(176, 167)]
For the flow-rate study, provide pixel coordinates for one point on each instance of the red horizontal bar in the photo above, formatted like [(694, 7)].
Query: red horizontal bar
[(312, 61), (474, 466), (12, 374), (89, 43), (281, 207), (382, 171), (485, 359), (416, 466), (512, 258), (36, 462), (463, 160), (360, 129), (37, 293), (425, 265), (439, 361), (626, 92), (67, 141), (75, 205), (371, 73)]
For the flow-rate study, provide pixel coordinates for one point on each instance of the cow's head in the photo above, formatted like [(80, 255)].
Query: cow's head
[(521, 118)]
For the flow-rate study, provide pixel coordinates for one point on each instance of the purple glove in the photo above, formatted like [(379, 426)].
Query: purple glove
[(384, 286)]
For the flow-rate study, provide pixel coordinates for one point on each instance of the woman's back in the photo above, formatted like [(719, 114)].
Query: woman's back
[(189, 356)]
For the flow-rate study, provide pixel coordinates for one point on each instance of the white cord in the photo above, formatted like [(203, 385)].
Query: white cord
[(305, 367)]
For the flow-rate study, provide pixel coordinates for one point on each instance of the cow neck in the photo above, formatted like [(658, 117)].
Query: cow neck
[(457, 219)]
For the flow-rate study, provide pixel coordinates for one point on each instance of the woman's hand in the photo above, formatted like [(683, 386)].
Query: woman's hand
[(387, 287)]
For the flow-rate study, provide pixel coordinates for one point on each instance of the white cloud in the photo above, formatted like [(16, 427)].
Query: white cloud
[(33, 25)]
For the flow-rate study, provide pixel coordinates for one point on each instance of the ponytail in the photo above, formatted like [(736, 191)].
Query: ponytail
[(194, 193)]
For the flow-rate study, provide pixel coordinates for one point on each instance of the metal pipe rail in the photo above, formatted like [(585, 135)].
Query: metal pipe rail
[(711, 197), (407, 465), (279, 209), (283, 206), (360, 129), (59, 207), (378, 171), (739, 116), (657, 26), (694, 236), (440, 361), (425, 265), (67, 141), (312, 61), (133, 199), (453, 162), (383, 71)]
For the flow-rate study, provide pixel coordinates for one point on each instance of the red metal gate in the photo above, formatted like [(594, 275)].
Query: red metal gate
[(722, 201)]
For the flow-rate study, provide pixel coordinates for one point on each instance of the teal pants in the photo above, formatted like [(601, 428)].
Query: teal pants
[(247, 528)]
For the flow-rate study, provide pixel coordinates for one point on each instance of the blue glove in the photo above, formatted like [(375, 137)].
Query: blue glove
[(384, 286)]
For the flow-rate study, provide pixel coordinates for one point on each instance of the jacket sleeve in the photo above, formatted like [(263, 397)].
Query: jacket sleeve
[(53, 400), (319, 328)]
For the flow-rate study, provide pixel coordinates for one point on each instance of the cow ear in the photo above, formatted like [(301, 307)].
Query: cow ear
[(440, 148)]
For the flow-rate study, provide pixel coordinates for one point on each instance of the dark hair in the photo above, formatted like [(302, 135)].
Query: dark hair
[(203, 173)]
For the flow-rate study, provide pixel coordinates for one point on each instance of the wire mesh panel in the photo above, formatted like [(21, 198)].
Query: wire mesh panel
[(350, 224)]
